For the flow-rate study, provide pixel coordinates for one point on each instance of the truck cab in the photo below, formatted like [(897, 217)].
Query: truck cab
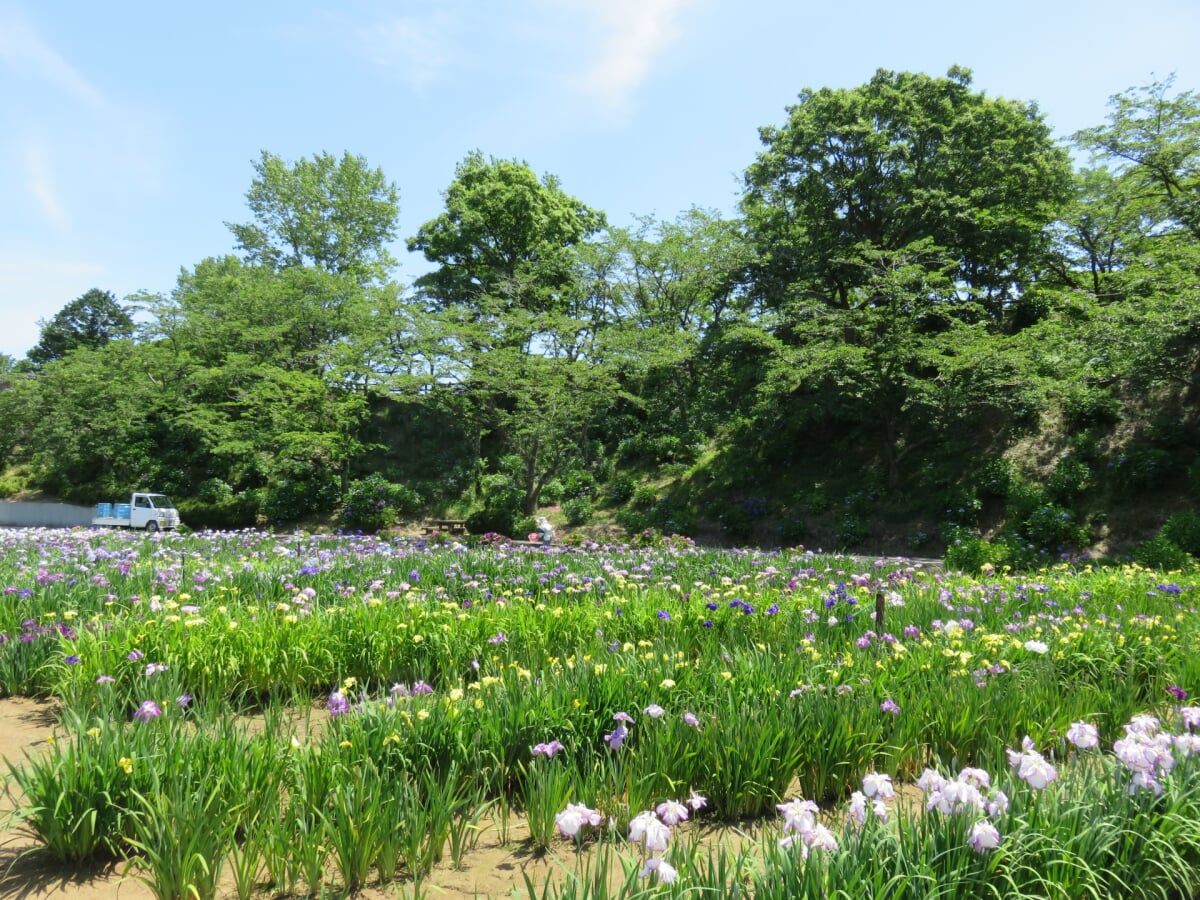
[(152, 512)]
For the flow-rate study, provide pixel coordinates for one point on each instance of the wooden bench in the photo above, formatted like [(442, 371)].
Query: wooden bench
[(444, 526)]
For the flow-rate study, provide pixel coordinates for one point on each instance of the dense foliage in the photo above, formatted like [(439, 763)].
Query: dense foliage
[(923, 330)]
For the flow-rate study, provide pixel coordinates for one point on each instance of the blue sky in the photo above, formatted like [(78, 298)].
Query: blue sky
[(128, 129)]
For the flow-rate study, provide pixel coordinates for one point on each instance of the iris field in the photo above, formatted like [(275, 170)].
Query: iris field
[(296, 715)]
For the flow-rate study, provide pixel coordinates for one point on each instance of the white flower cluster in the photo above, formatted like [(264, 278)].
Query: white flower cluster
[(800, 826), (651, 829), (877, 787), (969, 794)]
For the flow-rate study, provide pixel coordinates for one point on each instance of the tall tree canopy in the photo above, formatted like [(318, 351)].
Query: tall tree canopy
[(507, 298), (504, 237), (905, 158), (90, 321), (336, 215), (890, 223), (1153, 140)]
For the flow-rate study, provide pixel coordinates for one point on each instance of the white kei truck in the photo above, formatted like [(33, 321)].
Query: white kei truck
[(151, 512)]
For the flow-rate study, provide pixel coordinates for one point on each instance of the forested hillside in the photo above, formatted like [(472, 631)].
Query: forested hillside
[(931, 327)]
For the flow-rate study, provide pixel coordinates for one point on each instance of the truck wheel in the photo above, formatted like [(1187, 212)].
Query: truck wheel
[(151, 527)]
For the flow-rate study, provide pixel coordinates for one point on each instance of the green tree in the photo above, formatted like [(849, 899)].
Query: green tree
[(92, 424), (896, 229), (509, 319), (1106, 229), (335, 215), (266, 395), (902, 159), (1135, 233), (888, 368), (678, 285), (1152, 139), (92, 320), (504, 239)]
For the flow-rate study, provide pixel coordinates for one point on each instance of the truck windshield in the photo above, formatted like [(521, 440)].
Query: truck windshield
[(161, 501)]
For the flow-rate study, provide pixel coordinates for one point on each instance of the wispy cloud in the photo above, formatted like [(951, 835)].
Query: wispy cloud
[(24, 52), (633, 34), (50, 102), (416, 48), (40, 179), (419, 48)]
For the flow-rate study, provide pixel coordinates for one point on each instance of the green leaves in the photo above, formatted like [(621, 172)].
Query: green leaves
[(90, 321), (334, 215), (505, 235), (902, 159)]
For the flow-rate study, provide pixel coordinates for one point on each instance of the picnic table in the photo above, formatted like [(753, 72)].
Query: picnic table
[(444, 526)]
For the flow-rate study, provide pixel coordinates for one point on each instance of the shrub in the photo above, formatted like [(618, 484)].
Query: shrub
[(793, 525), (551, 493), (619, 490), (1085, 405), (657, 449), (10, 484), (579, 511), (644, 497), (736, 522), (633, 521), (962, 505), (306, 492), (919, 539), (970, 553), (1183, 530), (1024, 499), (1051, 527), (817, 499), (374, 504), (674, 470), (1143, 468), (672, 518), (850, 530), (214, 490), (502, 499), (1160, 553), (1193, 477), (236, 511), (578, 483), (1068, 480), (996, 478), (494, 520)]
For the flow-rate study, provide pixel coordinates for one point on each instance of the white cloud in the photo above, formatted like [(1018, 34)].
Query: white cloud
[(24, 51), (633, 33), (53, 102), (417, 47), (41, 183)]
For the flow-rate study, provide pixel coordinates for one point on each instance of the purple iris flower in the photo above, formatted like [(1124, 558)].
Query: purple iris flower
[(617, 737), (147, 711), (338, 705)]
